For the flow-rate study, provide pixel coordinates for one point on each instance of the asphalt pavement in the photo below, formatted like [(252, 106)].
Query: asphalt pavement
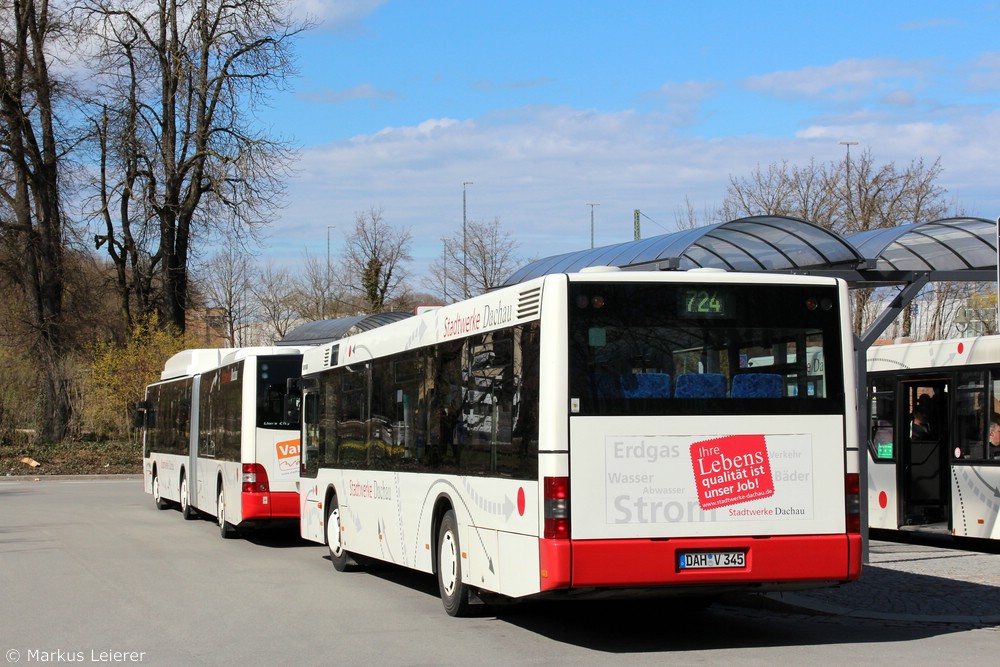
[(935, 582), (910, 581)]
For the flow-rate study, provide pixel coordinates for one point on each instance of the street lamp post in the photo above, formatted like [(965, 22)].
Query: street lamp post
[(465, 247), (848, 144), (592, 205), (327, 285), (444, 269)]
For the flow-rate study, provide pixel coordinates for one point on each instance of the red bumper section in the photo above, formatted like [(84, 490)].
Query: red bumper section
[(644, 563), (270, 505)]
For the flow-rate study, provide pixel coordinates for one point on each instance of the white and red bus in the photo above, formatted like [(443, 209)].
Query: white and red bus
[(604, 432), (217, 439), (934, 445)]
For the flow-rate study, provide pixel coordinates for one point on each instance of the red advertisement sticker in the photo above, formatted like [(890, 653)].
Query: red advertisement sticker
[(731, 470)]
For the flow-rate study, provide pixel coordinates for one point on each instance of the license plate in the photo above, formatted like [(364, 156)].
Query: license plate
[(711, 559)]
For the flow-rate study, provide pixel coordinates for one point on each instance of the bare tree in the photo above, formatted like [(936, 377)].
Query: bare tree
[(274, 290), (375, 260), (226, 282), (315, 296), (805, 192), (175, 134), (765, 192), (875, 196), (847, 197), (31, 217), (490, 258)]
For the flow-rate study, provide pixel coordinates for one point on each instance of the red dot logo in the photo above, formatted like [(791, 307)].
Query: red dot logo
[(961, 348), (883, 499), (520, 500)]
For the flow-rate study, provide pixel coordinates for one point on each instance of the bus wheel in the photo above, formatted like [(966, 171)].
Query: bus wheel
[(339, 556), (226, 529), (454, 592), (186, 510), (161, 504)]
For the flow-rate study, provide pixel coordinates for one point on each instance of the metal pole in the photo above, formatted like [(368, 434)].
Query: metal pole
[(444, 270), (848, 164), (465, 247), (592, 205), (327, 285)]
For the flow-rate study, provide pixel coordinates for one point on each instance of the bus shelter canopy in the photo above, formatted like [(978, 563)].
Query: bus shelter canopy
[(324, 331), (948, 249)]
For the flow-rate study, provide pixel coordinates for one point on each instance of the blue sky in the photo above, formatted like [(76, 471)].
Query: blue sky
[(548, 105)]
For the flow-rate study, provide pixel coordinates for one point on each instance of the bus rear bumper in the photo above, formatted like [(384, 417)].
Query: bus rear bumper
[(796, 559), (272, 505)]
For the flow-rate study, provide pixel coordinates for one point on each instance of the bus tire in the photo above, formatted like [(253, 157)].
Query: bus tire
[(187, 511), (454, 592), (226, 529), (339, 556), (161, 502)]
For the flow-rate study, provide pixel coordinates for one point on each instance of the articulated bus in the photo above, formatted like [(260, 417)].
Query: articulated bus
[(216, 436), (594, 434), (934, 444)]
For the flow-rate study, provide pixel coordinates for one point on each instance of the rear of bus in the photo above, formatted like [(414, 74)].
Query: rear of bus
[(710, 433), (271, 458)]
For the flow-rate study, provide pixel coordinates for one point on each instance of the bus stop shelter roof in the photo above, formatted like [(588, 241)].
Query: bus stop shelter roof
[(324, 331), (948, 249)]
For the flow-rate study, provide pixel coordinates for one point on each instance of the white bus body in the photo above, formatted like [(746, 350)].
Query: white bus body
[(944, 480), (591, 465), (215, 439)]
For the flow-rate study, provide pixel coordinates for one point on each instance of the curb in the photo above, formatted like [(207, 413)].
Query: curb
[(59, 478)]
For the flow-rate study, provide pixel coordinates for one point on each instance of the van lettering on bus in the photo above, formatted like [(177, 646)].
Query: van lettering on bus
[(288, 449)]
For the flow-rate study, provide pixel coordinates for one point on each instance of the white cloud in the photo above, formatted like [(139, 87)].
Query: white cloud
[(683, 101), (985, 74), (843, 81), (335, 15), (536, 168)]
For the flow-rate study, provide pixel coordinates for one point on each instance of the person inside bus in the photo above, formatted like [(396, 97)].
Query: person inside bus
[(994, 438), (919, 428)]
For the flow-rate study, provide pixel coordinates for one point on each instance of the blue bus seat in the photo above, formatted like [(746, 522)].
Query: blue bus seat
[(700, 385), (757, 385)]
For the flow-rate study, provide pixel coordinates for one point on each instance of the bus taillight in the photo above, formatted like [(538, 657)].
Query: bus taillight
[(853, 500), (556, 511), (254, 478)]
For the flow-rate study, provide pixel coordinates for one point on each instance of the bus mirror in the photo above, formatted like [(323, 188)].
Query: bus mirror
[(312, 408), (143, 416), (293, 407)]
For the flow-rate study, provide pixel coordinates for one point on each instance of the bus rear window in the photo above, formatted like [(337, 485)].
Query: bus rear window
[(273, 374), (656, 348)]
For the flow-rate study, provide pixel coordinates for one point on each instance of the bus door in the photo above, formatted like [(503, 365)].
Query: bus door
[(924, 454)]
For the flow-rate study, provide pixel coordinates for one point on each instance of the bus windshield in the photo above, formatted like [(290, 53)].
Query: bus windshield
[(656, 348)]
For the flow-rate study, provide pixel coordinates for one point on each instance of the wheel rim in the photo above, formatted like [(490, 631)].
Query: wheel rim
[(333, 533), (221, 509), (448, 564), (156, 490), (184, 495)]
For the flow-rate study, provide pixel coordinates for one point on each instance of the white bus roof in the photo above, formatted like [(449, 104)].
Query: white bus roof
[(200, 360)]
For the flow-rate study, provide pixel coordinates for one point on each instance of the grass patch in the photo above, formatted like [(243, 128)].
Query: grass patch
[(72, 458)]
